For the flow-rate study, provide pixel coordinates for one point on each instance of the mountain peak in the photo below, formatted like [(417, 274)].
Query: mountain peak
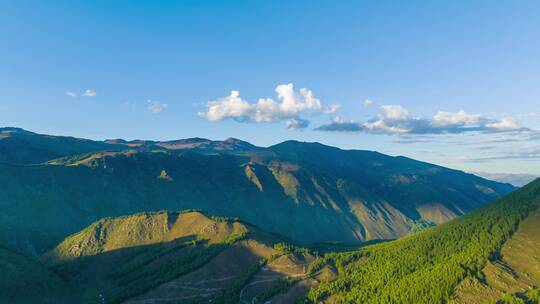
[(14, 130), (232, 139), (295, 146)]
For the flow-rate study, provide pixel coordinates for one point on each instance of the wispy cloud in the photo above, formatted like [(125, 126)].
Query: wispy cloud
[(395, 119), (486, 148), (297, 123), (520, 135), (85, 93), (290, 107), (156, 106), (414, 139), (521, 153), (367, 103), (339, 124), (89, 93), (529, 114)]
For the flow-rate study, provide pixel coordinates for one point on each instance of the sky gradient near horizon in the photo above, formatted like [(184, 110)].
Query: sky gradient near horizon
[(454, 83)]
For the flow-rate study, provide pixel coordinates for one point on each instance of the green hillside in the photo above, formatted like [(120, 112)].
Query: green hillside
[(51, 187), (26, 281), (169, 256), (515, 273), (191, 257), (426, 267)]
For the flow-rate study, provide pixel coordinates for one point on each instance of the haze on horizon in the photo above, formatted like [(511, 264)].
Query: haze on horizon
[(454, 83)]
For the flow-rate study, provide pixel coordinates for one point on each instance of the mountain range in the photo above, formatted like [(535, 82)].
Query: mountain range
[(53, 186), (517, 180), (202, 221)]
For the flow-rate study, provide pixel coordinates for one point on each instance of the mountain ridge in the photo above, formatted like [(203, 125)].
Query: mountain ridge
[(309, 192)]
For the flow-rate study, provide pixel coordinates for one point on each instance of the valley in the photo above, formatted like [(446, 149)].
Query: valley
[(269, 152), (190, 257), (200, 221)]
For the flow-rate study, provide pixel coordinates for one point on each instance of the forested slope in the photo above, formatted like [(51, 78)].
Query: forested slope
[(24, 280), (427, 266)]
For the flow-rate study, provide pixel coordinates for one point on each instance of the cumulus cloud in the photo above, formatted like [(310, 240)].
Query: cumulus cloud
[(395, 119), (89, 93), (156, 106), (71, 94), (291, 105), (460, 118)]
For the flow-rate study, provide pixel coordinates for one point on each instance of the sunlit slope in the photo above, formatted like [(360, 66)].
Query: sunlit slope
[(428, 266), (306, 191), (167, 257), (516, 271), (142, 229), (18, 146)]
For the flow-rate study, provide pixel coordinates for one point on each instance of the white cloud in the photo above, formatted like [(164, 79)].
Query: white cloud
[(230, 106), (156, 106), (505, 124), (89, 93), (290, 106), (395, 119), (297, 123), (460, 118), (367, 103), (71, 94), (339, 124), (393, 112), (531, 153), (331, 109)]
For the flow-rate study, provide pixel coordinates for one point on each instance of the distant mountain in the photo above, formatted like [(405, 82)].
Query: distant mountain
[(18, 146), (517, 180), (51, 187)]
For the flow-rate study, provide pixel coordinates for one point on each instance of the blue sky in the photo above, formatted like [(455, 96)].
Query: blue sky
[(455, 82)]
